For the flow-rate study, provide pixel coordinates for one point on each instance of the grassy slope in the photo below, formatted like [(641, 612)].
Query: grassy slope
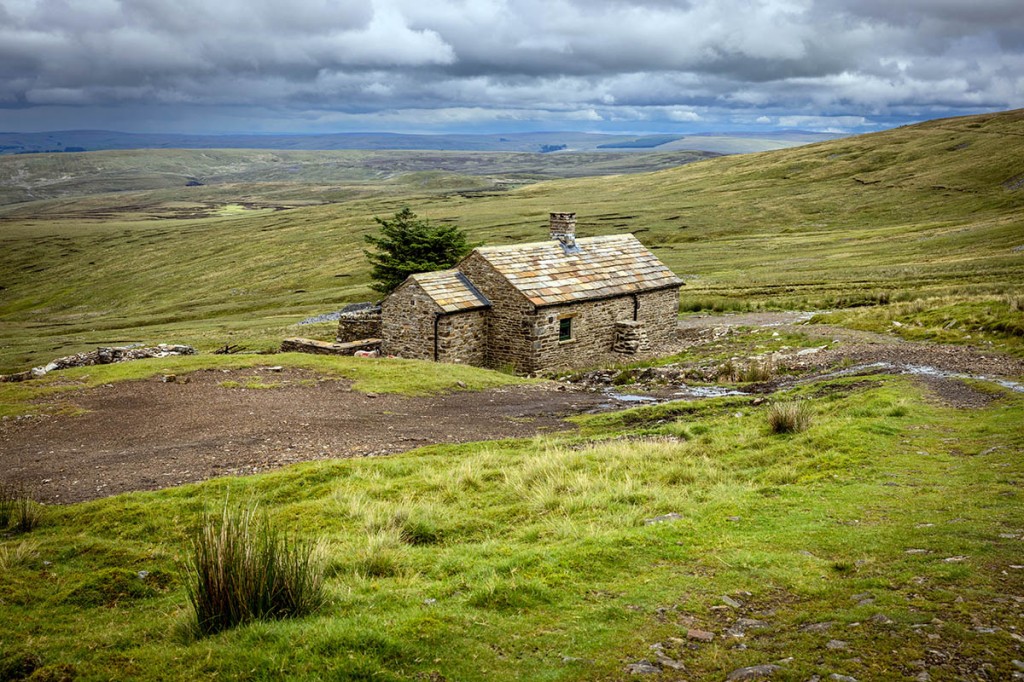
[(926, 210), (531, 560)]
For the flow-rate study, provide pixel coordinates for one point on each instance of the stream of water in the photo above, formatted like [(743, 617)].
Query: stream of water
[(686, 392)]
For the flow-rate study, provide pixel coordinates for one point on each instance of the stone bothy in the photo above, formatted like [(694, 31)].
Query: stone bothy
[(558, 303)]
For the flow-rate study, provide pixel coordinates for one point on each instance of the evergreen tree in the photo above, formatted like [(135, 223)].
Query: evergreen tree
[(407, 245)]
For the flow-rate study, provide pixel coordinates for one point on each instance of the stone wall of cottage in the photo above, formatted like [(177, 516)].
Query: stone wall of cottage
[(594, 327), (593, 331), (407, 323), (462, 337), (659, 311), (510, 338)]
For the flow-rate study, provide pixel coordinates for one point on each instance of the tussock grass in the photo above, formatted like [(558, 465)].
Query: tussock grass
[(788, 417), (18, 555), (8, 503), (18, 511), (241, 569), (750, 371)]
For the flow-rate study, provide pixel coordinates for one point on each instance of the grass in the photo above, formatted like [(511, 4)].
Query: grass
[(532, 559), (8, 503), (919, 212), (243, 569), (996, 322)]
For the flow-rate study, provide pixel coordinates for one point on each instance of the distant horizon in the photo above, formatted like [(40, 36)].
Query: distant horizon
[(553, 131)]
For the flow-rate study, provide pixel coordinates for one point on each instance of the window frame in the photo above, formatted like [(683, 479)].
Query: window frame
[(566, 323)]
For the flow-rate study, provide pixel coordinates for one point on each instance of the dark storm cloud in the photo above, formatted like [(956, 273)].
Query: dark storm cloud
[(410, 64)]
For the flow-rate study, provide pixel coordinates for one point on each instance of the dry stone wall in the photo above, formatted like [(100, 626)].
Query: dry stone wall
[(364, 323)]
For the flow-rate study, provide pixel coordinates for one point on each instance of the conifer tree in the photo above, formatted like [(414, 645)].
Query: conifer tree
[(407, 245)]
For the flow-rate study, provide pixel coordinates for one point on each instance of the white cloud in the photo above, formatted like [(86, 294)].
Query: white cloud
[(683, 115)]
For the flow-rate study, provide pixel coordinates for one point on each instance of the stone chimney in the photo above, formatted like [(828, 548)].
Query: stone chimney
[(563, 228)]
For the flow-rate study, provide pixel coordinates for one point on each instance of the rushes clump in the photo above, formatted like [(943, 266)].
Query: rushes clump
[(17, 509), (750, 372), (243, 569), (790, 417), (8, 503)]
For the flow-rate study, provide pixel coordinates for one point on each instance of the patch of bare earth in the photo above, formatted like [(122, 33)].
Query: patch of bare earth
[(144, 435)]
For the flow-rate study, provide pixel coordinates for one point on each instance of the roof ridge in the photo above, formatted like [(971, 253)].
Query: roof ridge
[(461, 276)]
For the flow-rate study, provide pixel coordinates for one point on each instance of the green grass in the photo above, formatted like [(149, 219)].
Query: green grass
[(369, 375), (997, 323), (532, 559), (919, 212)]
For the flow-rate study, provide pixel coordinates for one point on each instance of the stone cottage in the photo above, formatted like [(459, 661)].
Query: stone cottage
[(558, 303)]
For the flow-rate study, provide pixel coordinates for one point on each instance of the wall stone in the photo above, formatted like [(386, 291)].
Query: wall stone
[(300, 345), (659, 311), (407, 323), (462, 337), (594, 327), (630, 337), (509, 320)]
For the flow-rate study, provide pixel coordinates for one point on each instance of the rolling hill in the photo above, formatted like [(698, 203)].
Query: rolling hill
[(101, 140), (918, 212), (321, 176)]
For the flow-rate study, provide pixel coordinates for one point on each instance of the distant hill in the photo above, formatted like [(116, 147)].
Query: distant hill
[(31, 177), (543, 142)]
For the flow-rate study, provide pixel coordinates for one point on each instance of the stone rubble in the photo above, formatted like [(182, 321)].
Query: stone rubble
[(752, 672), (101, 356)]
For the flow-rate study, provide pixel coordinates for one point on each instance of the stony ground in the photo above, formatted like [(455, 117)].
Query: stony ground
[(150, 434), (143, 435), (840, 345)]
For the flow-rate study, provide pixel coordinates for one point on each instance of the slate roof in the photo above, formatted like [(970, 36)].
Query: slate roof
[(450, 290), (604, 266)]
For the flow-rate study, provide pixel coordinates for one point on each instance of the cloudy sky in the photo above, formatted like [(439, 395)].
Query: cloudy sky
[(218, 66)]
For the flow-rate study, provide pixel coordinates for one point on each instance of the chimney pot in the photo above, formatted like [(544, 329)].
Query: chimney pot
[(563, 227)]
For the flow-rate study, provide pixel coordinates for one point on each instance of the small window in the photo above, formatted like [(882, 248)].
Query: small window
[(565, 329)]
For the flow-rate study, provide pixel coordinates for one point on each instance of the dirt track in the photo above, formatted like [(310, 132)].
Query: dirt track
[(144, 435)]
